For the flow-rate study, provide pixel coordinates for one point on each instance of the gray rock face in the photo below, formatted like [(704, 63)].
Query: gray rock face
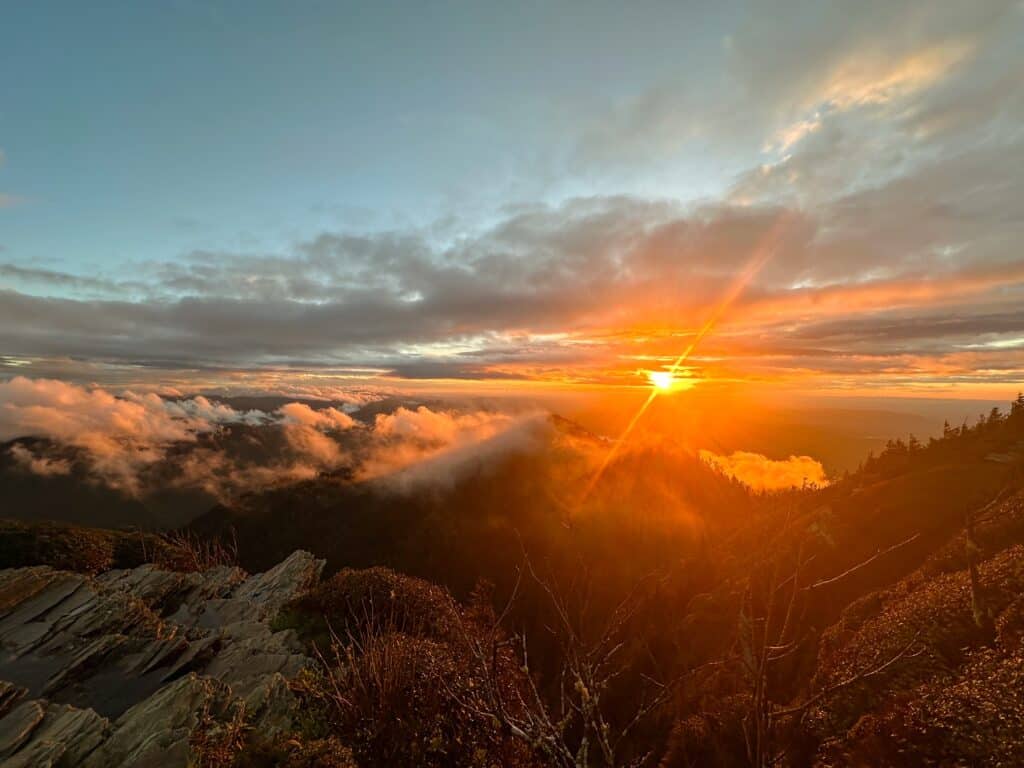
[(122, 668)]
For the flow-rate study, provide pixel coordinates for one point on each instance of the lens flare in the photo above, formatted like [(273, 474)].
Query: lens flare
[(764, 250)]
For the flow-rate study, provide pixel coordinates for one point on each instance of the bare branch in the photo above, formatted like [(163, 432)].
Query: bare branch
[(862, 564)]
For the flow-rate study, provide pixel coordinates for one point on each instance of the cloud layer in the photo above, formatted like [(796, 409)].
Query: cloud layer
[(119, 434), (143, 442)]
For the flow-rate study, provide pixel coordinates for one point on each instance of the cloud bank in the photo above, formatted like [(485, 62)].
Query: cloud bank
[(119, 434), (142, 442)]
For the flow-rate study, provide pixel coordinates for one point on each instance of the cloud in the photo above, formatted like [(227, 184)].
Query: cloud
[(306, 428), (855, 97), (39, 465), (413, 445), (138, 443), (861, 81), (328, 418), (543, 270), (428, 427), (124, 436), (120, 435), (53, 279), (798, 55), (764, 474), (787, 67), (544, 292), (76, 415)]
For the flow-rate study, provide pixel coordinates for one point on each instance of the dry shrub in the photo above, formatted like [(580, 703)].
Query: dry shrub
[(360, 602), (397, 700), (185, 551), (711, 739), (295, 751), (95, 550), (1010, 626), (996, 529), (396, 678), (977, 720), (221, 729), (224, 738), (939, 611), (71, 548)]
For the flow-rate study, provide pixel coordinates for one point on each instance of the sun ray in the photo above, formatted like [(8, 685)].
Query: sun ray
[(762, 253)]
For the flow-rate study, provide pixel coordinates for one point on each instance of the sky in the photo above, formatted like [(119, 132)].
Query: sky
[(825, 197)]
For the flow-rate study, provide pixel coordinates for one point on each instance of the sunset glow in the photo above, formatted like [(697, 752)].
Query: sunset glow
[(734, 223)]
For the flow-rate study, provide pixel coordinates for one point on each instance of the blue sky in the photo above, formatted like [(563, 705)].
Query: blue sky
[(138, 131), (545, 192)]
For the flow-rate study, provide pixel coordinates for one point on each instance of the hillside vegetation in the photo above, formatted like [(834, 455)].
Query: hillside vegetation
[(677, 621)]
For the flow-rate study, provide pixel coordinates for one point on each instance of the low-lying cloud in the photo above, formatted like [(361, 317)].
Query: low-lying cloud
[(119, 434), (307, 431), (763, 474), (39, 465), (143, 442), (410, 446)]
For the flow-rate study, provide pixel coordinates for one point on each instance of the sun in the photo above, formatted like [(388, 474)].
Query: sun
[(662, 380)]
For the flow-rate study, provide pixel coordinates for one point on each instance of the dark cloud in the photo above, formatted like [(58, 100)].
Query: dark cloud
[(545, 285), (52, 278), (543, 271), (430, 369), (896, 327)]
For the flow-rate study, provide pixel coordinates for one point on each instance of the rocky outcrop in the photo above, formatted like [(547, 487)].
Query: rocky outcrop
[(124, 668)]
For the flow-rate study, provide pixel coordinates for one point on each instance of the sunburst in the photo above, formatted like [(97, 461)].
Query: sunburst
[(662, 380)]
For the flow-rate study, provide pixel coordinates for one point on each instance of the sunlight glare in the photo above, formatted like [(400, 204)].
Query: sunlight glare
[(662, 380)]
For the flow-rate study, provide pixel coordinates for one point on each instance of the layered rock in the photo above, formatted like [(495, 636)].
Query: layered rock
[(124, 668)]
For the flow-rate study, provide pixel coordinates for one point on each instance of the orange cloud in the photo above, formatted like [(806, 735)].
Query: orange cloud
[(305, 429), (909, 291), (124, 437), (324, 418), (119, 434), (427, 444), (878, 79), (764, 474)]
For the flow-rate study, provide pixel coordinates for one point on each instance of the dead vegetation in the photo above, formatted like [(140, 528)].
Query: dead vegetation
[(95, 550)]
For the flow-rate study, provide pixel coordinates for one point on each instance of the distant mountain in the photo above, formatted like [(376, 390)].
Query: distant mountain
[(76, 497), (474, 518)]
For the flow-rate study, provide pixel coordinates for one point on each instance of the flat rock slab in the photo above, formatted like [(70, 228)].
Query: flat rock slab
[(118, 669)]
